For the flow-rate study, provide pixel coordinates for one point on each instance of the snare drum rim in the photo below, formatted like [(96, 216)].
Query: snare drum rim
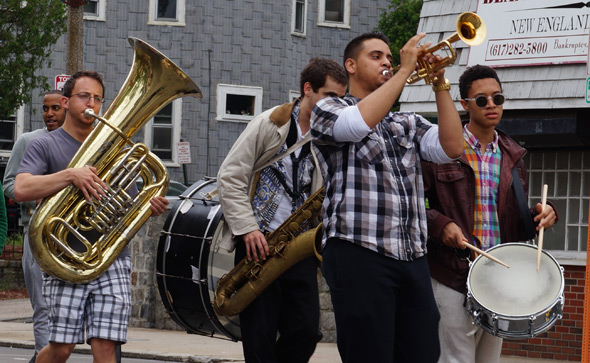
[(558, 299)]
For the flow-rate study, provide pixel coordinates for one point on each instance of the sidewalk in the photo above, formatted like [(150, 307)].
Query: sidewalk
[(16, 330)]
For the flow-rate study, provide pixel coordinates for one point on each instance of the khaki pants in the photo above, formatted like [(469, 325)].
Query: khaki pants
[(460, 340)]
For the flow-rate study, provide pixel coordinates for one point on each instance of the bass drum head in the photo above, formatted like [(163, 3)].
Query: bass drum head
[(190, 262)]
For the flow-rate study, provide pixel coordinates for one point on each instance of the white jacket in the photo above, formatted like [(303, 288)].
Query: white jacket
[(257, 144)]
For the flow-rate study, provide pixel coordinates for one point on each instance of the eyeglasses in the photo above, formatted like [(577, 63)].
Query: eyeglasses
[(86, 97), (482, 101)]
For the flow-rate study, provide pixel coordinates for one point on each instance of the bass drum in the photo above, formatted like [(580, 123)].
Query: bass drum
[(190, 261)]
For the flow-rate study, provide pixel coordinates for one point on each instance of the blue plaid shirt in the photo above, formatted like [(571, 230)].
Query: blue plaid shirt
[(374, 189)]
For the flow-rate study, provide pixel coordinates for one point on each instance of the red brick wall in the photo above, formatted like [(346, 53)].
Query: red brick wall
[(564, 340)]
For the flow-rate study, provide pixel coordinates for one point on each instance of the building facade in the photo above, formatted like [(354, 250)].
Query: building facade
[(245, 56), (539, 49)]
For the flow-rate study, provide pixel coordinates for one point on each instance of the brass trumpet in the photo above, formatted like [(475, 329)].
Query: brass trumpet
[(470, 29)]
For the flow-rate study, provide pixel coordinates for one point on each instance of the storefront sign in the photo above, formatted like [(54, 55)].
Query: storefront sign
[(532, 32)]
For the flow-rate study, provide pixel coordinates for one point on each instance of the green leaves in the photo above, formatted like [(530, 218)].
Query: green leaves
[(400, 23), (28, 31)]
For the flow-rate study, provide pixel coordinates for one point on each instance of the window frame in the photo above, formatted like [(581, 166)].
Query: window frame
[(550, 175), (180, 14), (101, 9), (176, 125), (333, 24), (224, 89), (293, 95), (303, 20), (19, 127)]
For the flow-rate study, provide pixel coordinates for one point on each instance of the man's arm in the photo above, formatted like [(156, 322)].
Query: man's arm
[(450, 130), (158, 205), (440, 227), (12, 166), (378, 103), (233, 183), (29, 187)]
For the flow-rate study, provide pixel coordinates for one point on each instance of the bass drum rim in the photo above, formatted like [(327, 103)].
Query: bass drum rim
[(192, 203)]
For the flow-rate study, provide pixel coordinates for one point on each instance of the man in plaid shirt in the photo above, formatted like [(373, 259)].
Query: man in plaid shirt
[(374, 213)]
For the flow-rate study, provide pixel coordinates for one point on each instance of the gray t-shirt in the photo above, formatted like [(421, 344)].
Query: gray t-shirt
[(49, 154)]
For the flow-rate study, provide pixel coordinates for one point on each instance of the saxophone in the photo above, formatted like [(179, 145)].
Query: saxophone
[(287, 246), (104, 227)]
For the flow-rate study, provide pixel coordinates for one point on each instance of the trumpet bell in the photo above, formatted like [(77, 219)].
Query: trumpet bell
[(471, 29)]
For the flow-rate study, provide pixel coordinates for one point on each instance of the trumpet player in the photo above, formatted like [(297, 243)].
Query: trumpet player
[(374, 214), (98, 311), (254, 203)]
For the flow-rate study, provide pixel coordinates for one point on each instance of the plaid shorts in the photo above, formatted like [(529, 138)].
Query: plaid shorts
[(101, 307)]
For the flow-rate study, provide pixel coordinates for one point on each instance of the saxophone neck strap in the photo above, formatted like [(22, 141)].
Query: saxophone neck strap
[(289, 151), (212, 194)]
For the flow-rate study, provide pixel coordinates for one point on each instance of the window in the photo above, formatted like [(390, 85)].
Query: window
[(238, 103), (299, 17), (567, 175), (10, 129), (95, 10), (293, 95), (162, 133), (167, 12), (334, 13)]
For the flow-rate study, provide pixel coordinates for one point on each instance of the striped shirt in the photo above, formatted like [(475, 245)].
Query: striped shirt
[(374, 190), (486, 168)]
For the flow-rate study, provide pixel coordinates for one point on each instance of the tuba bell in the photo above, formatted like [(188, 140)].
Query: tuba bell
[(104, 227)]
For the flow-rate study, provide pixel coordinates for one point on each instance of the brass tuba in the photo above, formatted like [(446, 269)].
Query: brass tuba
[(104, 227), (287, 246)]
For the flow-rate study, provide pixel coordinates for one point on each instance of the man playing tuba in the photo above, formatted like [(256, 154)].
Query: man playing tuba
[(102, 305), (290, 305)]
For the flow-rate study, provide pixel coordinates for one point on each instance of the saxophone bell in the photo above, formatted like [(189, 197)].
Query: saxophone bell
[(287, 244)]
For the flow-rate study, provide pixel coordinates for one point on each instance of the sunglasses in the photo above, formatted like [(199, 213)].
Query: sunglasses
[(482, 101)]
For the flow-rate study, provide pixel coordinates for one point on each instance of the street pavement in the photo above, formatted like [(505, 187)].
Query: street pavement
[(16, 330)]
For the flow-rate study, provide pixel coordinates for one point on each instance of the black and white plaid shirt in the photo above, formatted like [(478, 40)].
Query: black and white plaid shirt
[(374, 189)]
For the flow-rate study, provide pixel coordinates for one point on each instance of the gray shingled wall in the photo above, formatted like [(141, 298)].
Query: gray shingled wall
[(250, 44)]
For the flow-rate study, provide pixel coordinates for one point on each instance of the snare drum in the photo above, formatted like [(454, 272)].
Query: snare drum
[(190, 262), (515, 302)]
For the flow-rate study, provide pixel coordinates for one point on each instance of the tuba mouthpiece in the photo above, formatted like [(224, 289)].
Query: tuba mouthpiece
[(88, 113)]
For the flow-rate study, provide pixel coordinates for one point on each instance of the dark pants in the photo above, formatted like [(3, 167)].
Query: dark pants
[(384, 308), (289, 306)]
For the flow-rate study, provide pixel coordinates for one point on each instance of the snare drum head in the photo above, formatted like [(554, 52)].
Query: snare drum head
[(187, 265), (519, 290)]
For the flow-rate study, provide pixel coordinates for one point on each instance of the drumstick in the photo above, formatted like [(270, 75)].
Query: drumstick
[(542, 230), (485, 254)]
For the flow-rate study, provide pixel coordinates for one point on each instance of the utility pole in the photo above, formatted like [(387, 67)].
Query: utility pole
[(75, 49)]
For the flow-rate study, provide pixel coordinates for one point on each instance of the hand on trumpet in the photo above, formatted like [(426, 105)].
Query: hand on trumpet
[(437, 77), (409, 54)]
